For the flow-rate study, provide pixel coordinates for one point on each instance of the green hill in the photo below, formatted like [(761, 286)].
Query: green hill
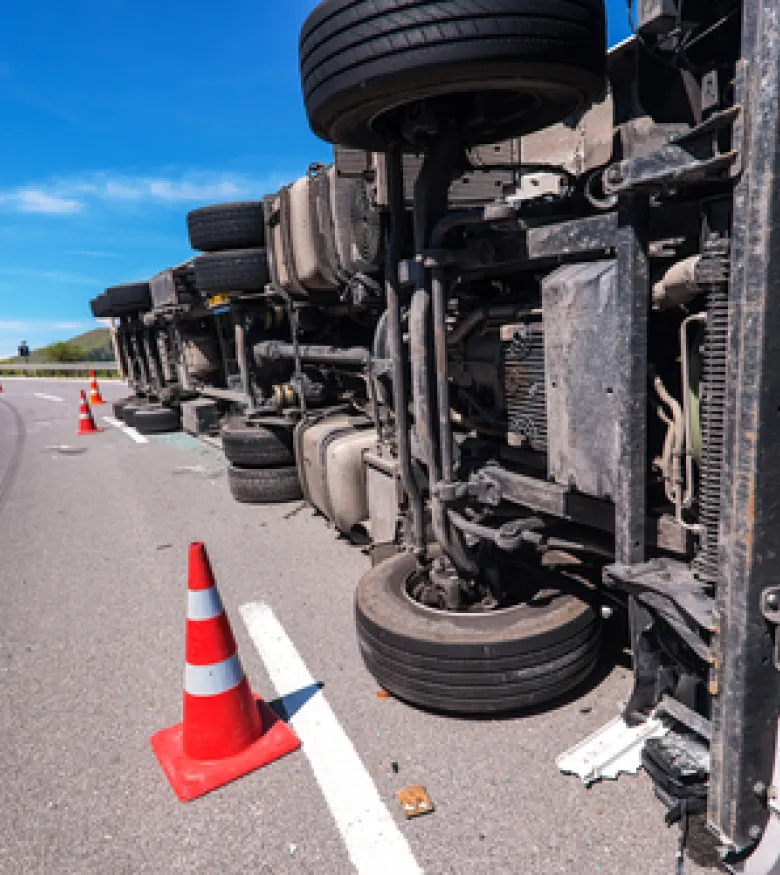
[(92, 346), (96, 343)]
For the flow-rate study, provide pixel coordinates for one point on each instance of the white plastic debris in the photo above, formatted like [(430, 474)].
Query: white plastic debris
[(615, 748)]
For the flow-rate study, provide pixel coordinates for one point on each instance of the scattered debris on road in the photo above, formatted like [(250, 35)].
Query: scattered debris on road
[(66, 449), (615, 748), (296, 510), (415, 801)]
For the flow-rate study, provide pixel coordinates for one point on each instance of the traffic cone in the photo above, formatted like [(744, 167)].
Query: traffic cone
[(226, 731), (94, 392), (86, 420)]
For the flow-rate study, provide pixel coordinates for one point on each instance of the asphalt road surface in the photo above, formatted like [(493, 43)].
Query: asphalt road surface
[(93, 547)]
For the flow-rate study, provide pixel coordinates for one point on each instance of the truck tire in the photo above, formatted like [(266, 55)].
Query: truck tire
[(130, 409), (100, 306), (119, 406), (227, 226), (238, 270), (129, 298), (264, 485), (156, 420), (472, 663), (529, 63), (256, 447)]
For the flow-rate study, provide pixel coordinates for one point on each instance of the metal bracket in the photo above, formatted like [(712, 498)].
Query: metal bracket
[(689, 158), (464, 258), (478, 488), (770, 609), (673, 580)]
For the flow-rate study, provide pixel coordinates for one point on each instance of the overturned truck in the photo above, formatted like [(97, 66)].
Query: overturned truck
[(519, 338)]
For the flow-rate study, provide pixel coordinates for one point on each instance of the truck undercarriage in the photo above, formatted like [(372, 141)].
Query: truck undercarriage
[(519, 340)]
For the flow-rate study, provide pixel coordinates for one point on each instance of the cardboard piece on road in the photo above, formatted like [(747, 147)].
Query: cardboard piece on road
[(415, 801)]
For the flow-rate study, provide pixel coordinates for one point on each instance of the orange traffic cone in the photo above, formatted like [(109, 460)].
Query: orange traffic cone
[(94, 392), (226, 731), (1, 387), (86, 420)]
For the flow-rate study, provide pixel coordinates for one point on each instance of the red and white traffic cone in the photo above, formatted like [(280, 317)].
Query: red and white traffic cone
[(94, 392), (226, 731), (86, 420)]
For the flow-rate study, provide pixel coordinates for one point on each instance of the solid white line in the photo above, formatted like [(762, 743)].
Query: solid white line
[(374, 843), (47, 397), (128, 430)]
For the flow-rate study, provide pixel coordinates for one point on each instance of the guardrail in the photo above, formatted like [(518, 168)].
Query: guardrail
[(64, 366)]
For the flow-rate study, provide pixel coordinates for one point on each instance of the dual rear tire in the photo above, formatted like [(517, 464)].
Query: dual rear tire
[(261, 463), (231, 238), (147, 418)]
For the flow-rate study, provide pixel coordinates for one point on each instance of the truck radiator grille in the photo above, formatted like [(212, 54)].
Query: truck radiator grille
[(524, 385), (713, 407)]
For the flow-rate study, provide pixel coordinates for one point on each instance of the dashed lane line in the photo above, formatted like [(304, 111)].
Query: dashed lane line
[(47, 397), (128, 430), (374, 843)]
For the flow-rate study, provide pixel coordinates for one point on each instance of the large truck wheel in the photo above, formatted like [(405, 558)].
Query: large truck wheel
[(495, 68), (476, 663), (129, 298), (238, 270), (130, 409), (227, 226), (255, 446), (156, 420), (100, 306), (119, 406), (264, 485)]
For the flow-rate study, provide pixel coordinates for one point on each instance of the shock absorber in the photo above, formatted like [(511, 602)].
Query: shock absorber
[(713, 273)]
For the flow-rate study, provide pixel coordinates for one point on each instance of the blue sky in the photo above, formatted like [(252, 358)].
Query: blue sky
[(119, 116)]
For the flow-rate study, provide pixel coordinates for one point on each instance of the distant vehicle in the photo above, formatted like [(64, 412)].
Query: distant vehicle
[(24, 350)]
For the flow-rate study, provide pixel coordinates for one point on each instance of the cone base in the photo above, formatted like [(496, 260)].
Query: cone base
[(89, 431), (96, 402), (192, 778)]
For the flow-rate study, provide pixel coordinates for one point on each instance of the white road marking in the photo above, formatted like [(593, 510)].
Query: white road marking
[(128, 430), (374, 843), (47, 397)]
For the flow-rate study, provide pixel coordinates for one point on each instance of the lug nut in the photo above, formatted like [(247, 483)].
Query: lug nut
[(772, 601), (755, 833), (606, 612), (759, 788)]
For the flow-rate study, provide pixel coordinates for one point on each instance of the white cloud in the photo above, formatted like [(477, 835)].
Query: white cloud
[(34, 200), (73, 194), (68, 326), (33, 327), (49, 276), (119, 191), (197, 191)]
